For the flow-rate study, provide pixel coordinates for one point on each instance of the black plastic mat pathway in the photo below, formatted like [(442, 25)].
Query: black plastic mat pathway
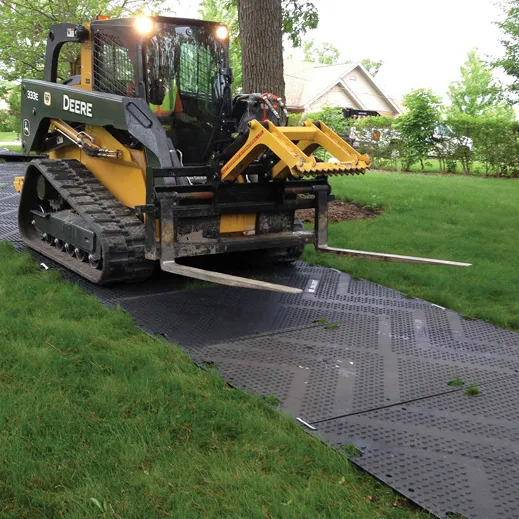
[(361, 363)]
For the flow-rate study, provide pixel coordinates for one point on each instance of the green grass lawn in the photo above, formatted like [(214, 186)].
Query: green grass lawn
[(458, 218), (10, 137), (433, 166), (18, 149), (7, 137), (99, 420)]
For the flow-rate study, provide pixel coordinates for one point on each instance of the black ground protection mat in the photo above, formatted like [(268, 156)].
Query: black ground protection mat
[(360, 362), (327, 373), (449, 453)]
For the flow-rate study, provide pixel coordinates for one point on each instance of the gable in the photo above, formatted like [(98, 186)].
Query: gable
[(348, 85), (335, 96), (365, 89), (305, 82)]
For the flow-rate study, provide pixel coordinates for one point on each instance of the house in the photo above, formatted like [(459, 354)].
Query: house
[(310, 86)]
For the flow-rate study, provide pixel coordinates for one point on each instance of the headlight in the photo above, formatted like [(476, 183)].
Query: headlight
[(222, 33), (143, 24)]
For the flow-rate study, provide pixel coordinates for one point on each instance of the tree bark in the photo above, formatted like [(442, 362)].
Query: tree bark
[(261, 36)]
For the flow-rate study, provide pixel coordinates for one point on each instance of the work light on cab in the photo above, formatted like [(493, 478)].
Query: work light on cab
[(143, 24), (222, 33)]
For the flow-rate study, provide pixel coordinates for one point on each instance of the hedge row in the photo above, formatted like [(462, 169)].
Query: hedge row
[(495, 145), (495, 142)]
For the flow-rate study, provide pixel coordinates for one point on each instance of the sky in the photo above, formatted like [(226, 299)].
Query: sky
[(423, 44)]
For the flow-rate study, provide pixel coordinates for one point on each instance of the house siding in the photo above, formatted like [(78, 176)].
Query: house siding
[(336, 96)]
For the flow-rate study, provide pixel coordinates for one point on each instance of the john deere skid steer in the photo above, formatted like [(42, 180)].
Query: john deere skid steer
[(145, 156)]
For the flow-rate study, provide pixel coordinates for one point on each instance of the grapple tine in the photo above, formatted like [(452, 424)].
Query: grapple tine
[(293, 146)]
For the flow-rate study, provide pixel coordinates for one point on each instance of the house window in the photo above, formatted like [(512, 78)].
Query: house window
[(353, 77)]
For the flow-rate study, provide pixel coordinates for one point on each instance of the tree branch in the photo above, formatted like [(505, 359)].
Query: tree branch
[(32, 8)]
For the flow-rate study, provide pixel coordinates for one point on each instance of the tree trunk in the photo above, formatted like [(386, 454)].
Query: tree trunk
[(261, 37)]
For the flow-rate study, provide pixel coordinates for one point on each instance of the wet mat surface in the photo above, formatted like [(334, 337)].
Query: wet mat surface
[(360, 362)]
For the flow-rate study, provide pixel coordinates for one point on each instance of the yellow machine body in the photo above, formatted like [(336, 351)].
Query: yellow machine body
[(125, 177)]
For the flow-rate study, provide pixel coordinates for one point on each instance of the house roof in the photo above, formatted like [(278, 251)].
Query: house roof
[(307, 82)]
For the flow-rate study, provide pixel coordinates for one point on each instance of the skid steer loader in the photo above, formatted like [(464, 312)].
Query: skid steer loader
[(145, 156)]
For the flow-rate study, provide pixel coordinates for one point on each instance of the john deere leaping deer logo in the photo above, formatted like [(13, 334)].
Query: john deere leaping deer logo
[(26, 127)]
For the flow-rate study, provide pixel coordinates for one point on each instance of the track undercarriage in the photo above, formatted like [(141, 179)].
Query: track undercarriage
[(67, 215)]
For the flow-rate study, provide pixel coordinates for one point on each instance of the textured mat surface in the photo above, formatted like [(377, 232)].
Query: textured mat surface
[(449, 453), (361, 363)]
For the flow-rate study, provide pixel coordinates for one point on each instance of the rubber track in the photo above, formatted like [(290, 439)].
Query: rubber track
[(120, 233)]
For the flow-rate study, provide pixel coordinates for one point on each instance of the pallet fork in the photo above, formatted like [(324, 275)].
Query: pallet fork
[(294, 147)]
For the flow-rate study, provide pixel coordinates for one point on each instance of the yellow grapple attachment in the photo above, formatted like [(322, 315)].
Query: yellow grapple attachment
[(18, 184), (294, 145)]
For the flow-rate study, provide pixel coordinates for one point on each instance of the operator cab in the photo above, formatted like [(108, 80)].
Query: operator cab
[(179, 66)]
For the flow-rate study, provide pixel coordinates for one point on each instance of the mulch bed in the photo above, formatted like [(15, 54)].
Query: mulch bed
[(340, 211)]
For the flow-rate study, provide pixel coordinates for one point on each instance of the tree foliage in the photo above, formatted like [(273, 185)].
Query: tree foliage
[(496, 142), (495, 149), (372, 66), (476, 94), (226, 11), (417, 125), (327, 54), (14, 100), (299, 16), (323, 53), (332, 116), (10, 116), (378, 137), (24, 25), (510, 60)]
